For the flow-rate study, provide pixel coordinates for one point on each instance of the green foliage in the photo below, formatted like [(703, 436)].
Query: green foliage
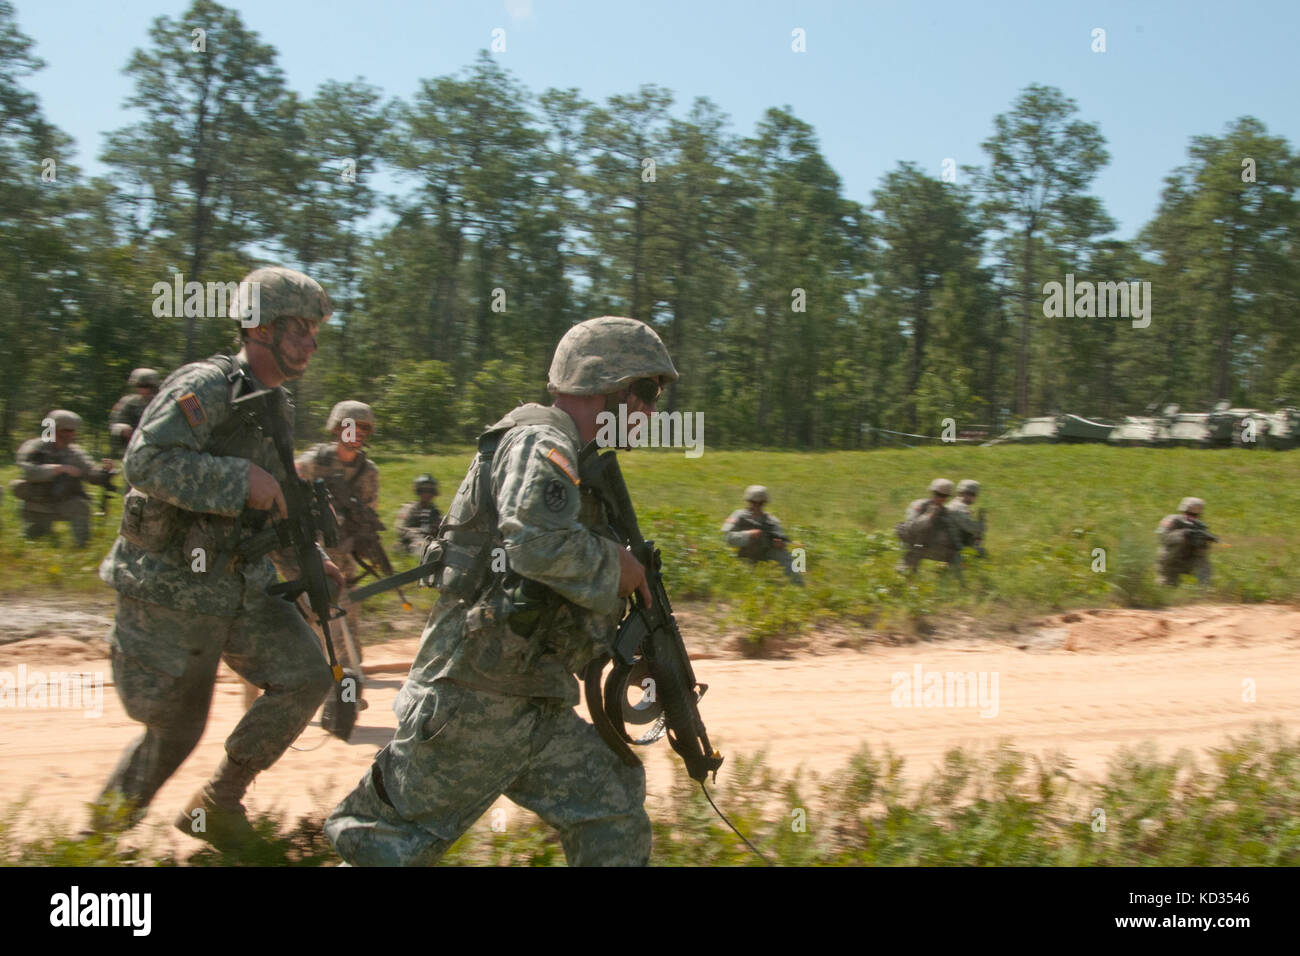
[(996, 808)]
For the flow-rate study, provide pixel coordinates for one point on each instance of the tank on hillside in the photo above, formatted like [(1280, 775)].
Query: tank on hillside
[(1056, 428), (1279, 430), (1145, 430)]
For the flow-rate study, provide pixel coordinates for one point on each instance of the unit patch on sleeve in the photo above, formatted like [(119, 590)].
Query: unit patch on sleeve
[(189, 404), (555, 458), (556, 495)]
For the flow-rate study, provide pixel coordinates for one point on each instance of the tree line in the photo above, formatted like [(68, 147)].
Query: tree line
[(799, 317)]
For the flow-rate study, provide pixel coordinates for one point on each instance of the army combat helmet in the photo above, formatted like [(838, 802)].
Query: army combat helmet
[(272, 293), (358, 412), (426, 483), (756, 493), (941, 486), (1191, 506), (143, 378), (602, 355), (64, 419)]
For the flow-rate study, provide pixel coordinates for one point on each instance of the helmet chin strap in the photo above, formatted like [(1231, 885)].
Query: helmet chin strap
[(274, 349)]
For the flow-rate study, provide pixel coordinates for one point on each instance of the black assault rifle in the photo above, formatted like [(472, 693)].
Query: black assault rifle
[(309, 514), (648, 642)]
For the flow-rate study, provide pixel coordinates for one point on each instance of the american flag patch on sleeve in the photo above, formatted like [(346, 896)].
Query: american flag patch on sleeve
[(555, 458), (189, 404)]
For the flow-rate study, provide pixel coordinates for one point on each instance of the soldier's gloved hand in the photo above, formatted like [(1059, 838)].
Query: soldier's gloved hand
[(755, 534), (72, 470), (631, 576), (264, 491)]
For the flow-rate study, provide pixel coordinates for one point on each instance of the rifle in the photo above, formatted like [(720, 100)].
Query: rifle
[(1199, 532), (363, 526), (648, 642), (107, 488), (309, 514)]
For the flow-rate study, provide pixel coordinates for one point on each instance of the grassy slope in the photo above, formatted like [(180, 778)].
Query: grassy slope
[(1049, 507)]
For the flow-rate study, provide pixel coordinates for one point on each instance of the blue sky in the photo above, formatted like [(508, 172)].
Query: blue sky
[(880, 82)]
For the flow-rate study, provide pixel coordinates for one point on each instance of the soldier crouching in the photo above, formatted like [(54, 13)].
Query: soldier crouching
[(53, 471), (929, 530), (1184, 544), (758, 536)]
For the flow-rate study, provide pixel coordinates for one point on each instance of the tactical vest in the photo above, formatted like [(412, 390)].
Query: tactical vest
[(155, 525), (59, 489), (341, 488), (747, 522), (469, 532)]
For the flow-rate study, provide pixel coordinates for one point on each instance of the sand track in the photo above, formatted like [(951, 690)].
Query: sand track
[(1084, 683)]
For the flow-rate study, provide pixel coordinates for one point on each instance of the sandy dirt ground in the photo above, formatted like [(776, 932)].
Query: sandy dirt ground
[(1083, 683)]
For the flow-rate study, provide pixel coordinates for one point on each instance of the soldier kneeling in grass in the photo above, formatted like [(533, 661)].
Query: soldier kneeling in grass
[(930, 530), (1184, 544), (758, 536)]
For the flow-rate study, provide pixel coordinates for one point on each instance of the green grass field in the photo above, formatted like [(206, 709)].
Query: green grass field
[(1049, 508)]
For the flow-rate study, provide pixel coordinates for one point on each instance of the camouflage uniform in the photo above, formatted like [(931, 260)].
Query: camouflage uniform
[(358, 479), (417, 524), (128, 411), (964, 519), (736, 531), (188, 461), (1181, 550), (55, 497), (486, 712), (928, 530)]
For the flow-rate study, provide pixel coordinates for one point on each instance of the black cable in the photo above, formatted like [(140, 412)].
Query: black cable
[(724, 819)]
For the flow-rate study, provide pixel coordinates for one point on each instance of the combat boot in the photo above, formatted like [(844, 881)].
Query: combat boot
[(225, 826)]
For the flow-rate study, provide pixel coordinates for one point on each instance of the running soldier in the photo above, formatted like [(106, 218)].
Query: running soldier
[(125, 417), (353, 483), (205, 477), (417, 521), (488, 706)]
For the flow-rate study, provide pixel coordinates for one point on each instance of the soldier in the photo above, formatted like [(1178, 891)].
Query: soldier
[(963, 514), (204, 476), (353, 483), (486, 711), (417, 521), (126, 414), (928, 531), (1184, 544), (758, 536), (53, 471)]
